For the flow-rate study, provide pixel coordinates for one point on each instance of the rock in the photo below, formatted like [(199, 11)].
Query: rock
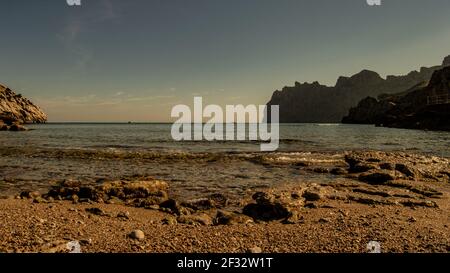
[(324, 220), (270, 207), (136, 193), (39, 200), (29, 194), (15, 108), (338, 171), (85, 242), (316, 103), (231, 218), (413, 204), (137, 235), (170, 221), (293, 218), (17, 127), (75, 198), (359, 163), (124, 215), (114, 200), (321, 170), (195, 219), (4, 127), (97, 211), (255, 250), (199, 204), (310, 205), (376, 177), (406, 170), (172, 205), (314, 193), (387, 166), (421, 107)]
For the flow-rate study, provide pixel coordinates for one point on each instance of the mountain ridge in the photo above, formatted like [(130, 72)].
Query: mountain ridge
[(316, 103)]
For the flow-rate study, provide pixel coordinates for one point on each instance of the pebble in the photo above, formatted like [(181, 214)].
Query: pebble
[(124, 215), (137, 235), (255, 250)]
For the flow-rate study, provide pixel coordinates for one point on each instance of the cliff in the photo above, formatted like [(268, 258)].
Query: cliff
[(16, 109), (319, 103), (425, 106)]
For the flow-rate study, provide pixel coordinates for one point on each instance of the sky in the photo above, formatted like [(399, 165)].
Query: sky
[(133, 60)]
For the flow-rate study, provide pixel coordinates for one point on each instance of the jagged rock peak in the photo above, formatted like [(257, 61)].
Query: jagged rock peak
[(446, 61)]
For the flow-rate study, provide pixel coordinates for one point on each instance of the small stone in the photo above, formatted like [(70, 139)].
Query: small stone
[(255, 250), (170, 221), (153, 207), (75, 198), (412, 219), (124, 215), (137, 235), (29, 194), (195, 219), (39, 200), (85, 242), (313, 194), (97, 211), (293, 218)]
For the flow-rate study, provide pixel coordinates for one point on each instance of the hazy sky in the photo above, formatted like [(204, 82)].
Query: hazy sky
[(121, 60)]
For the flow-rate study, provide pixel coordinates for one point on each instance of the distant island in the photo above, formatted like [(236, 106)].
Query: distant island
[(316, 103)]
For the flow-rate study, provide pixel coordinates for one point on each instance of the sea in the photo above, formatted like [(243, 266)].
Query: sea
[(98, 152)]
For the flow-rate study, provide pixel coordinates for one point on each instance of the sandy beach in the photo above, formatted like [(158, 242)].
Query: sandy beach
[(398, 200)]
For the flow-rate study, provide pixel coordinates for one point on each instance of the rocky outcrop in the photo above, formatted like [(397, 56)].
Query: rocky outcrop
[(421, 107), (313, 102), (16, 109)]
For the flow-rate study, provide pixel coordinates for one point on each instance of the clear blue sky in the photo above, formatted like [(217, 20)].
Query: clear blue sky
[(120, 60)]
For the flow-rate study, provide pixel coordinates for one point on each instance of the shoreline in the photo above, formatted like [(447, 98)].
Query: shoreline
[(397, 199)]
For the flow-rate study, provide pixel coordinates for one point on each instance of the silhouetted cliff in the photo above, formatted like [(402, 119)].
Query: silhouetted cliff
[(319, 103), (421, 107)]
